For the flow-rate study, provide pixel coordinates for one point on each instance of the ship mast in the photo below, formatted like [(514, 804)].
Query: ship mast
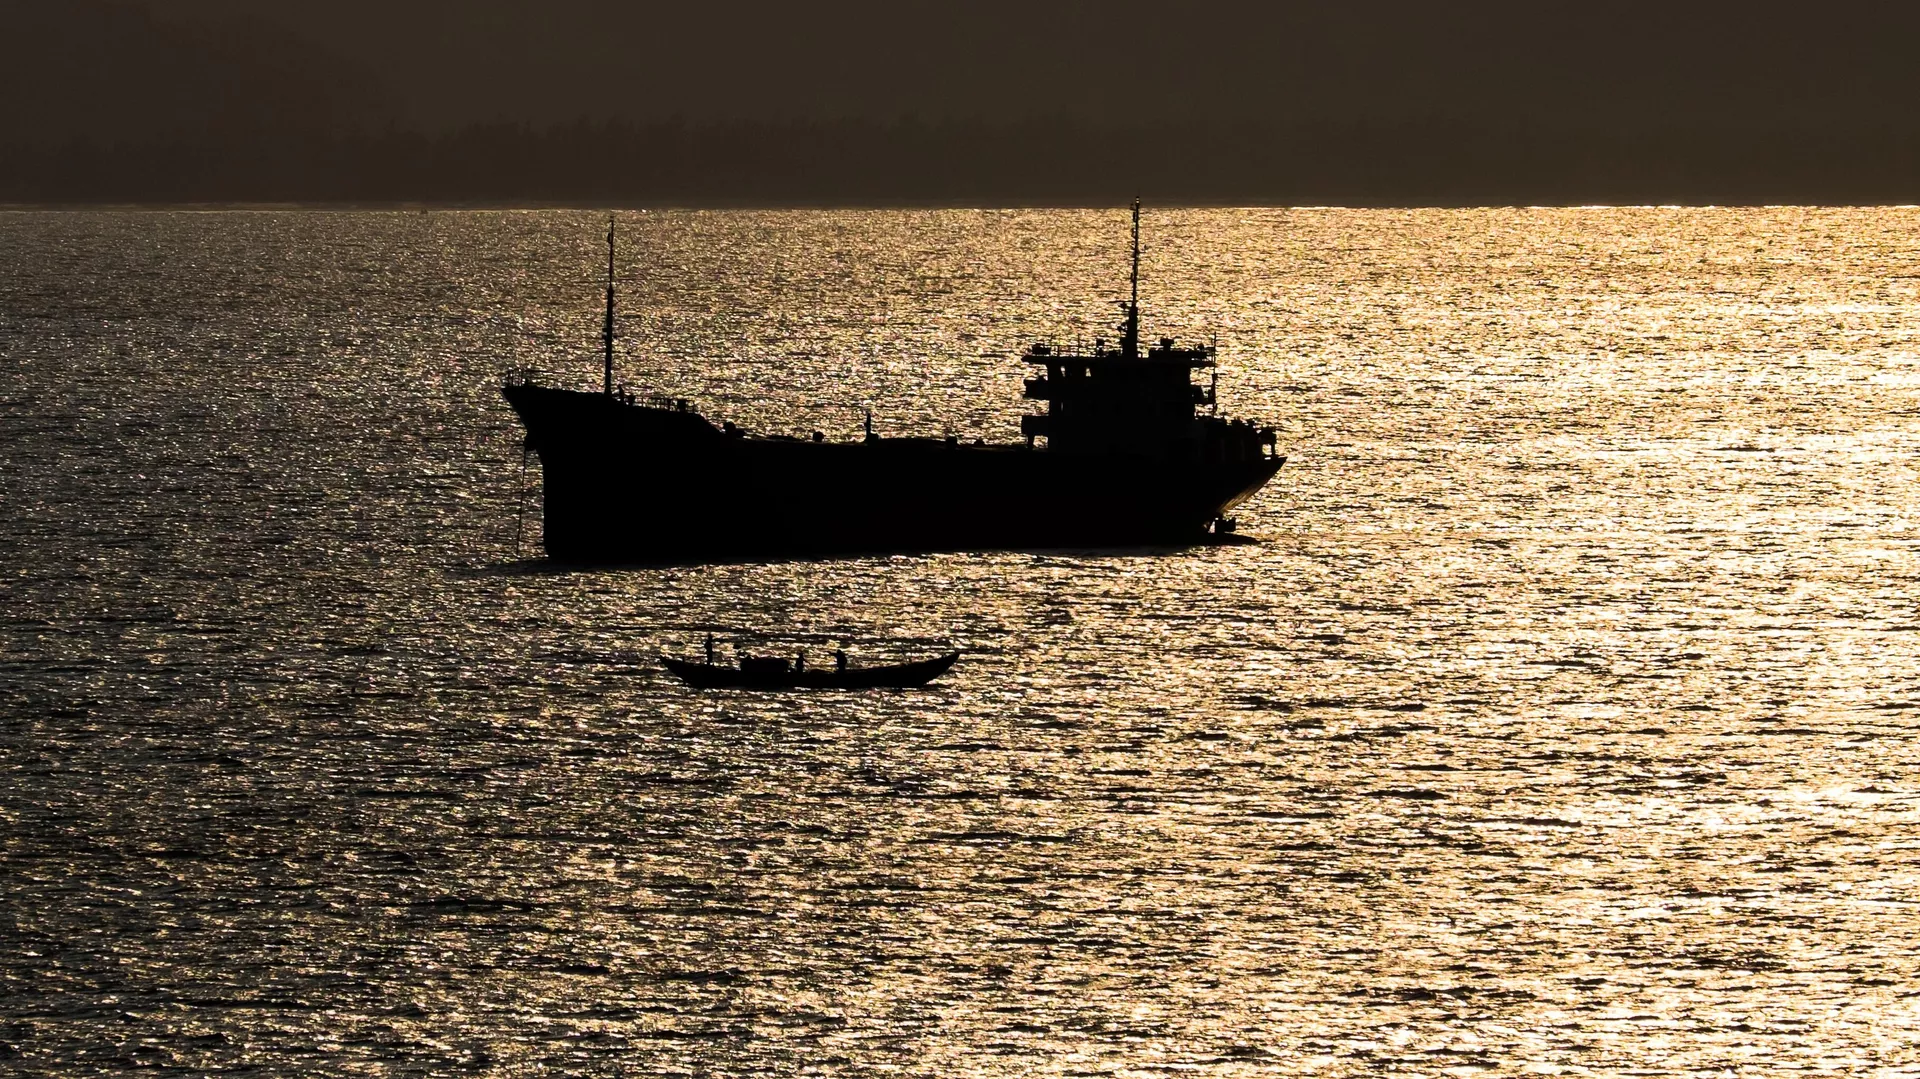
[(606, 332), (1130, 333)]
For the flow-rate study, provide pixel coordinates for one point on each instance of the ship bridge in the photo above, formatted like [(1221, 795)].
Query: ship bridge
[(1110, 402), (1125, 400)]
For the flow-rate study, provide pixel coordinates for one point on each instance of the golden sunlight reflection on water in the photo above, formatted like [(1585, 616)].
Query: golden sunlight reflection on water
[(1562, 722)]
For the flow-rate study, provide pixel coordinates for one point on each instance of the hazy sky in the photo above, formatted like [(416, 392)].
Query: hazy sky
[(103, 65)]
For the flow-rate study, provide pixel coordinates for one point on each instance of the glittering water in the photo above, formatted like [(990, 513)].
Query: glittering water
[(1563, 722)]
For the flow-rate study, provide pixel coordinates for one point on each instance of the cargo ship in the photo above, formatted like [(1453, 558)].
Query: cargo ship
[(1129, 451)]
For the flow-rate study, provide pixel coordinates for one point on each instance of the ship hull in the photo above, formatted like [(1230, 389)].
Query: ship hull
[(623, 482)]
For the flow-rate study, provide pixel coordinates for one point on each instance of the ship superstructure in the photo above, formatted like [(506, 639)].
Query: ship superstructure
[(1121, 456)]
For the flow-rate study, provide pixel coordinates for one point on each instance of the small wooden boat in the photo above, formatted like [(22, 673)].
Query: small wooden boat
[(757, 672)]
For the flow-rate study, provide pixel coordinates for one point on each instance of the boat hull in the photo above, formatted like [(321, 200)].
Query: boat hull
[(899, 676), (624, 482)]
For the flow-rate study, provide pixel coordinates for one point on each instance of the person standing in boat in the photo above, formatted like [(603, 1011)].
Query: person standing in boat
[(840, 659), (800, 662), (709, 649)]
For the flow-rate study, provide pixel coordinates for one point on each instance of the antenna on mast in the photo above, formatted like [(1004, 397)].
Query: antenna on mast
[(1130, 339), (606, 332)]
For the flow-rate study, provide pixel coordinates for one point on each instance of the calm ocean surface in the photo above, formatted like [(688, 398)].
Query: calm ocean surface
[(1563, 723)]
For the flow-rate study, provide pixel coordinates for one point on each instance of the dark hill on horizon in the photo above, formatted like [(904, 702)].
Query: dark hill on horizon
[(594, 101)]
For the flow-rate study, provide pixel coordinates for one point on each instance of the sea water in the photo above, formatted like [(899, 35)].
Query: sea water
[(1562, 720)]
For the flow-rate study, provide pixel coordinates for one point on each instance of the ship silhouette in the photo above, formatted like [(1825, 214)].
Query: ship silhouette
[(1122, 456)]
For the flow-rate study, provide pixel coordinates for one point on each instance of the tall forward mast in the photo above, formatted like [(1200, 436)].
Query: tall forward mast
[(606, 332)]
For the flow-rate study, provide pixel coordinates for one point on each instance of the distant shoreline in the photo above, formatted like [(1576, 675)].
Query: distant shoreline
[(776, 206), (915, 164)]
